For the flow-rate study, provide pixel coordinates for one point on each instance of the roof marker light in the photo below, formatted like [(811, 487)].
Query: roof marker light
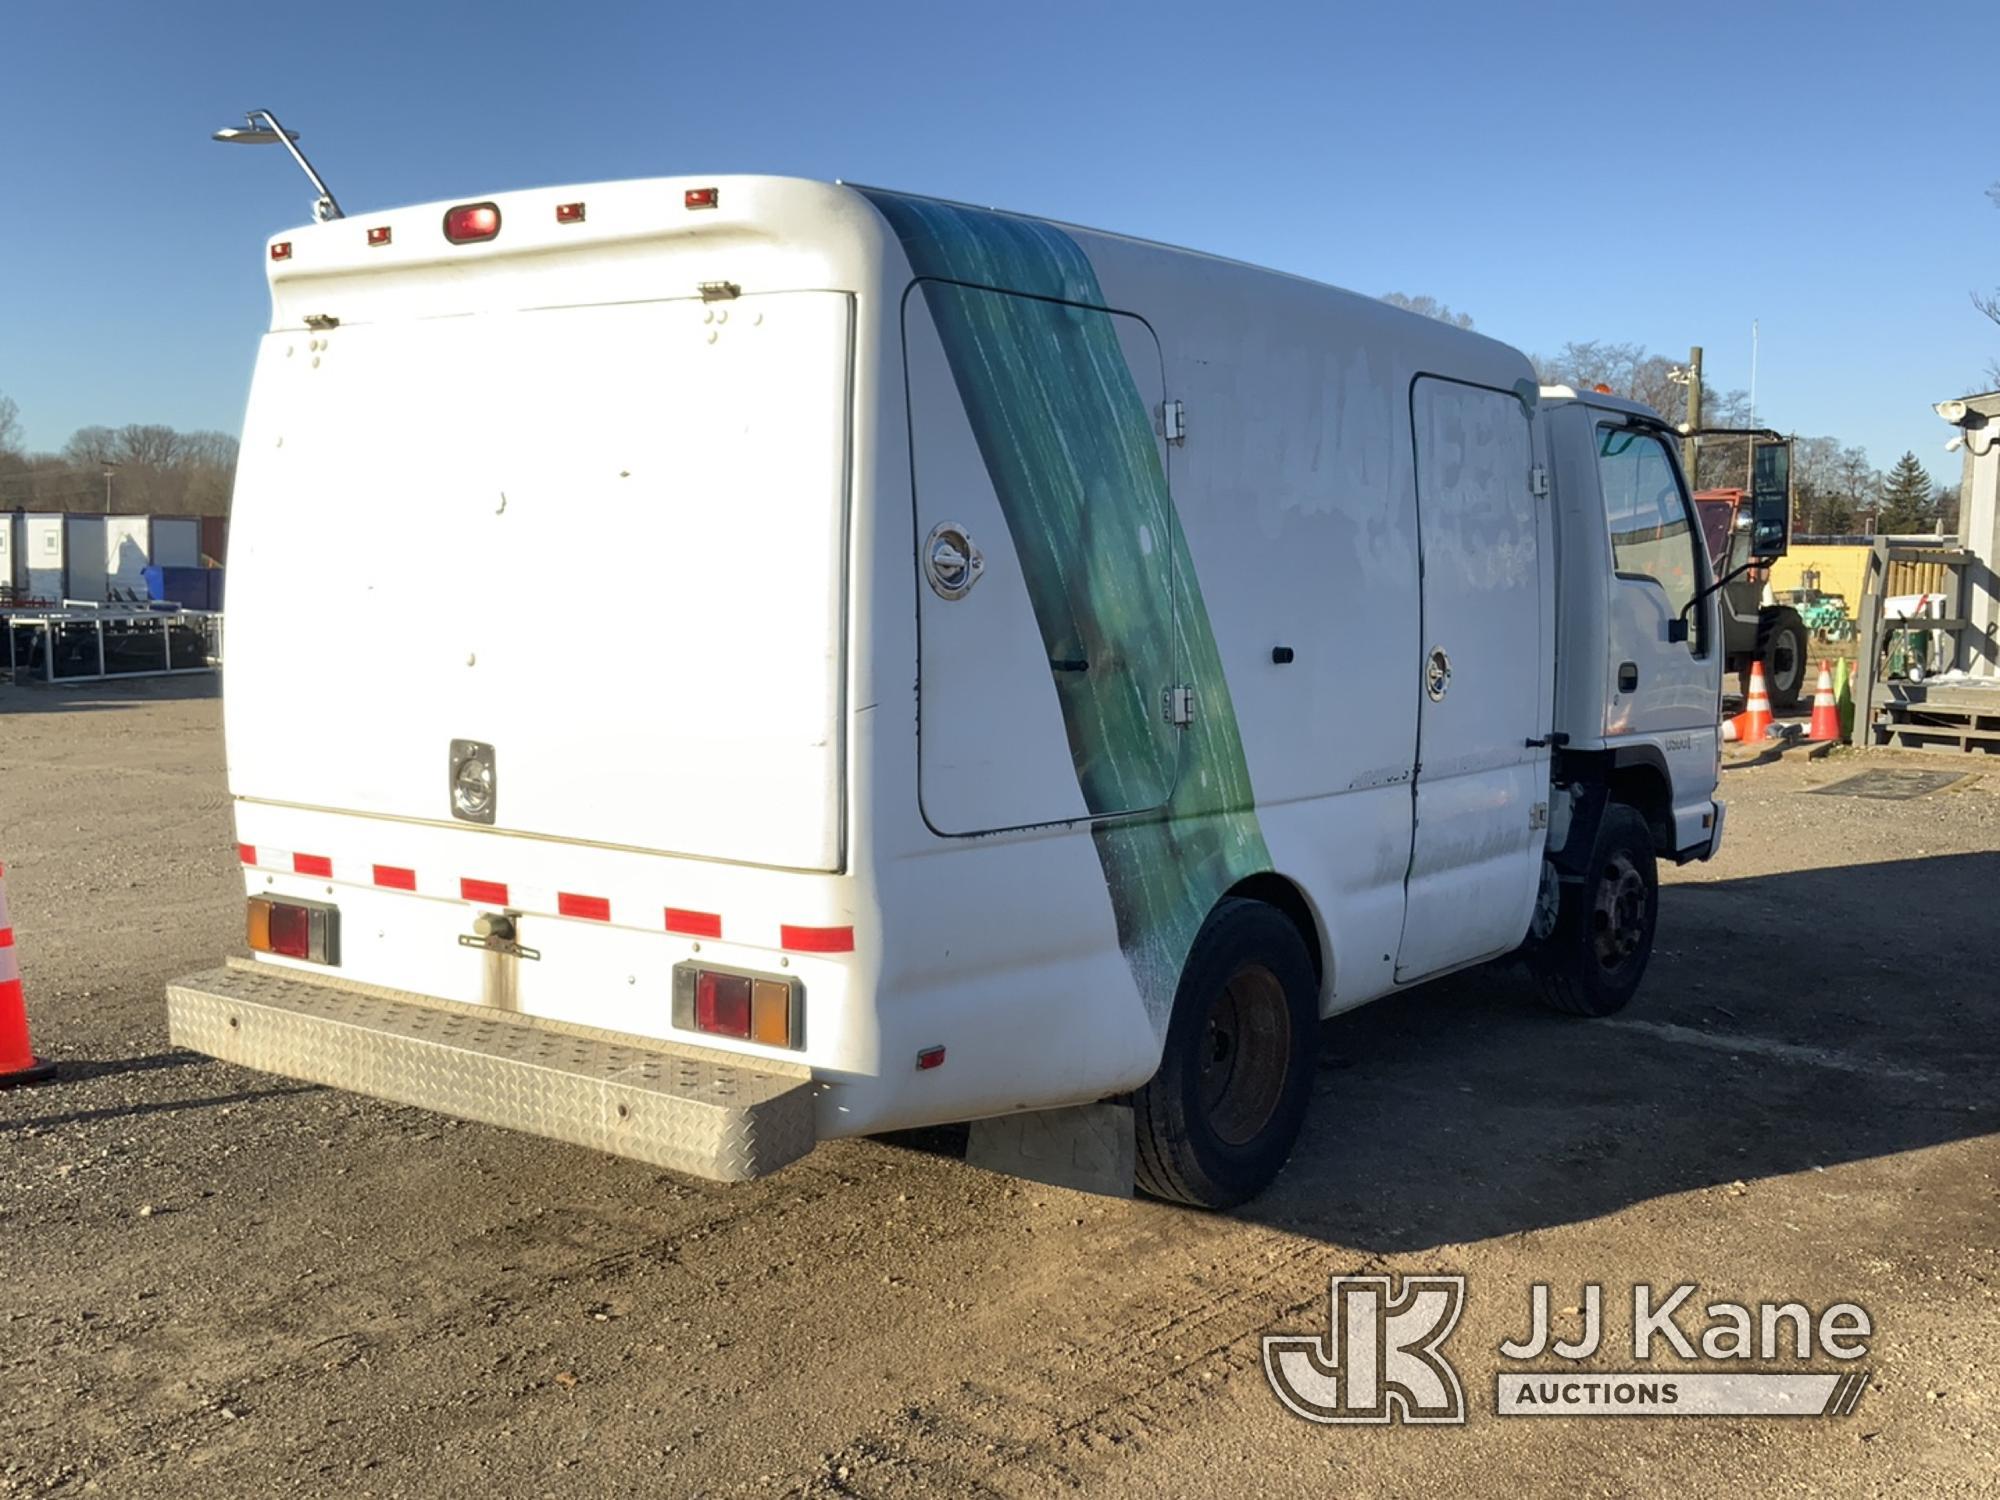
[(470, 223), (569, 213), (281, 250), (707, 197), (379, 235)]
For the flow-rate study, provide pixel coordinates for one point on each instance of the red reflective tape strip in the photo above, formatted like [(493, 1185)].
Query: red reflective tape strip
[(6, 937), (706, 924), (395, 877), (594, 908), (816, 939), (247, 853), (491, 891), (312, 864)]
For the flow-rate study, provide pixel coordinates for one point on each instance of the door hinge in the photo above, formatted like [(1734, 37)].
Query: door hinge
[(1173, 421), (1538, 482), (1179, 706)]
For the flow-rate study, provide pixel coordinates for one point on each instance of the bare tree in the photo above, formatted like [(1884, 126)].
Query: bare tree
[(1428, 307), (10, 425)]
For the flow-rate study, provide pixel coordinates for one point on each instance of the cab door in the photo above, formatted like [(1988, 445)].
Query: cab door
[(1655, 683), (1484, 679)]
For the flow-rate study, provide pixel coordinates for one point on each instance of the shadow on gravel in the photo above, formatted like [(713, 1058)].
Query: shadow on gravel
[(1787, 1022), (98, 697), (151, 1062), (148, 1107)]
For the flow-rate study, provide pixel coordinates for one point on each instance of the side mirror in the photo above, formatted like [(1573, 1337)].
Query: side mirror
[(1770, 499)]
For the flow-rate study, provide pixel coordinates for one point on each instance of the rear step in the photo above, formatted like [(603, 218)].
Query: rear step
[(683, 1108)]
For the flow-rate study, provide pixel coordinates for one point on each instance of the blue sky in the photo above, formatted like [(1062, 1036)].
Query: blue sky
[(1660, 174)]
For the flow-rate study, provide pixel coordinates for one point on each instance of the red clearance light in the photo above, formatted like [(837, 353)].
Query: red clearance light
[(707, 197), (569, 213), (281, 250), (930, 1057), (471, 222), (379, 235), (729, 1002)]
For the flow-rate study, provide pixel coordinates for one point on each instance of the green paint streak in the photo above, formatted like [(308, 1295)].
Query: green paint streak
[(1069, 444)]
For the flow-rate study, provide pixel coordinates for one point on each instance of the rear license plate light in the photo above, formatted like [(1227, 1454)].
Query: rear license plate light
[(736, 1003), (308, 930)]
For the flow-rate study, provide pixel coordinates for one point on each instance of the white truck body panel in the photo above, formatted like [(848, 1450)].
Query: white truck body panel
[(981, 823)]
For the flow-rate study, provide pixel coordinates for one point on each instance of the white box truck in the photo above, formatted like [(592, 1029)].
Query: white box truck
[(1032, 667)]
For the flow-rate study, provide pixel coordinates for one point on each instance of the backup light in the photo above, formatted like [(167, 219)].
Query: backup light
[(736, 1003), (294, 929), (470, 223)]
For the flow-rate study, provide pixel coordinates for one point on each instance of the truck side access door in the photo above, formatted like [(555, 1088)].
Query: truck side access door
[(1484, 678)]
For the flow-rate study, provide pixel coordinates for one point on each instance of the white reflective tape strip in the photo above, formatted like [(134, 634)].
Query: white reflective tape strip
[(274, 859), (537, 898), (10, 964), (5, 920)]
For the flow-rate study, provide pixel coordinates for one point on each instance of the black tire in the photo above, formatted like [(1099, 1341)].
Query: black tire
[(1786, 651), (1221, 1116), (1591, 964)]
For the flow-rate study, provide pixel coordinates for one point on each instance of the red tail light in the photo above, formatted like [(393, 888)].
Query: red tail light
[(569, 213), (752, 1007), (707, 197), (379, 235), (294, 929), (471, 222), (281, 250)]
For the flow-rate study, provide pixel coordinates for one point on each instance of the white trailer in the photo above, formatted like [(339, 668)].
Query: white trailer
[(175, 541), (11, 578), (1041, 667), (42, 562), (128, 549)]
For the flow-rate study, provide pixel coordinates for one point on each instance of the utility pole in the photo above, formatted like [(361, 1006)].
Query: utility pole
[(1693, 415)]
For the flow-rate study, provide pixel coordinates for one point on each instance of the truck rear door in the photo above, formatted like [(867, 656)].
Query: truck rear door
[(606, 541)]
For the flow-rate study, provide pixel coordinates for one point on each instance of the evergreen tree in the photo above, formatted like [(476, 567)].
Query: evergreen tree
[(1908, 504)]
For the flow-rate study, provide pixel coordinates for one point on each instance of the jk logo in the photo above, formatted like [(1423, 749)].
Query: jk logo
[(1379, 1361)]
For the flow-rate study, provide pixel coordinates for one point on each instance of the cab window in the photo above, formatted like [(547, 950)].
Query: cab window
[(1652, 536)]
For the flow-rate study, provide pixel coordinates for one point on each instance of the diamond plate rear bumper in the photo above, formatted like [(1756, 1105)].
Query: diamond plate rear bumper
[(683, 1108)]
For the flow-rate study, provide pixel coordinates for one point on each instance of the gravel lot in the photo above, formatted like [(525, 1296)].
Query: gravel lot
[(218, 1283)]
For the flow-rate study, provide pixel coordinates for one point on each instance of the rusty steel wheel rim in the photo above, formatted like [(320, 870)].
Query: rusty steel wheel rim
[(1618, 920), (1246, 1051)]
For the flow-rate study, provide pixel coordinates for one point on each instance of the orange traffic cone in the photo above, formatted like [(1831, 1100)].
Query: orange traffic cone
[(1826, 708), (18, 1063), (1757, 712)]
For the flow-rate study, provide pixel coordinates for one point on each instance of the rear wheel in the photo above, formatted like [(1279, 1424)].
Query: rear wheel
[(1221, 1116), (1591, 964)]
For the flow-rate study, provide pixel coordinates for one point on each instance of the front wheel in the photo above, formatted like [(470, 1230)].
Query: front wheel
[(1221, 1116), (1783, 647), (1592, 962)]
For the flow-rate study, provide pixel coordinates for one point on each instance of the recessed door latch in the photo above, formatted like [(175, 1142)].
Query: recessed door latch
[(1173, 421), (1179, 706)]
